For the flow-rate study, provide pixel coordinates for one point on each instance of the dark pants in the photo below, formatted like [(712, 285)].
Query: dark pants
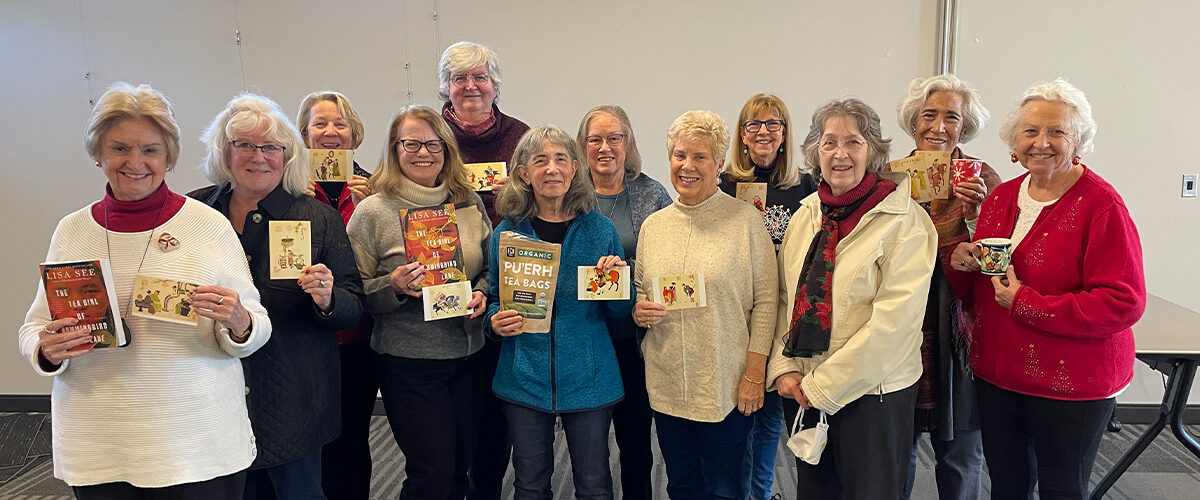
[(299, 479), (433, 408), (346, 462), (959, 469), (532, 434), (631, 423), (492, 449), (866, 456), (222, 487), (1029, 440), (764, 445), (705, 460)]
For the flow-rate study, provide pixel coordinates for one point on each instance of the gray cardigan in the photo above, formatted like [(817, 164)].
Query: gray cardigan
[(646, 196)]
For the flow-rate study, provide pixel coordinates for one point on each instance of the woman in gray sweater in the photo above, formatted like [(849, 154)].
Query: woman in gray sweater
[(430, 377)]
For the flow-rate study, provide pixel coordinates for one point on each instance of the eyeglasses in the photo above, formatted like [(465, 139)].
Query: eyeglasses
[(753, 126), (249, 148), (613, 140), (480, 79), (413, 145), (848, 145)]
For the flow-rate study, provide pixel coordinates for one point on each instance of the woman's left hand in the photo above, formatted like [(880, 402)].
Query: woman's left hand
[(1006, 287), (318, 282), (750, 396), (972, 193), (358, 188), (222, 305), (498, 183), (608, 262), (478, 304)]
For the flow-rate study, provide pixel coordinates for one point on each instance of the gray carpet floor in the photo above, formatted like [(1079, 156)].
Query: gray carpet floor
[(1165, 470)]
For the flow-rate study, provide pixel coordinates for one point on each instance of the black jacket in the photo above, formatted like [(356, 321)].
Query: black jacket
[(293, 382)]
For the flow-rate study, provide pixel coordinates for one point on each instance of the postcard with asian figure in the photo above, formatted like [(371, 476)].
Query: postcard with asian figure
[(291, 248), (679, 292), (610, 285), (164, 300), (446, 301), (484, 175), (754, 193), (928, 174), (331, 165)]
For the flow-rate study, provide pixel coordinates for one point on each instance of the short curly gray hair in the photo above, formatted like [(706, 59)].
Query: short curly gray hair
[(125, 101), (465, 56), (704, 127), (975, 116), (867, 121), (249, 112), (1081, 122)]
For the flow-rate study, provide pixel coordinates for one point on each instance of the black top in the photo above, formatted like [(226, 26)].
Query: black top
[(553, 232), (780, 204)]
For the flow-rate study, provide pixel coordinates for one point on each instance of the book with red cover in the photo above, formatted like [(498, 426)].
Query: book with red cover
[(84, 290), (431, 238)]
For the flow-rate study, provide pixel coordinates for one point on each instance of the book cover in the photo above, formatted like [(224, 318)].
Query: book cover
[(484, 175), (331, 165), (431, 238), (754, 193), (596, 285), (685, 291), (84, 290), (290, 248), (163, 300), (447, 300), (528, 276)]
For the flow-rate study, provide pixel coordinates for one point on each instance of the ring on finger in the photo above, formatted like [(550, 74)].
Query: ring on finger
[(320, 283), (221, 300), (47, 329)]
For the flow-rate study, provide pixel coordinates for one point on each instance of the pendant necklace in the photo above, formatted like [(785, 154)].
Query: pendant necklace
[(108, 249)]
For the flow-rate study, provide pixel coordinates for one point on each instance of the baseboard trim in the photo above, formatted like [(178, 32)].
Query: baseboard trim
[(1126, 413)]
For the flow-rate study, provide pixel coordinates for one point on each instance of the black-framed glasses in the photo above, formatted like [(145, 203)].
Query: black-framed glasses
[(478, 78), (250, 147), (413, 145), (612, 139), (753, 126)]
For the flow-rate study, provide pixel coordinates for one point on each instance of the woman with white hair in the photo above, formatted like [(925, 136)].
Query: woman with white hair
[(939, 113), (258, 164), (854, 272), (1051, 343), (705, 366), (469, 81), (164, 417)]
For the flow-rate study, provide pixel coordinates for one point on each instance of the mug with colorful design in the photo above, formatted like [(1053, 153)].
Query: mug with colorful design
[(996, 254)]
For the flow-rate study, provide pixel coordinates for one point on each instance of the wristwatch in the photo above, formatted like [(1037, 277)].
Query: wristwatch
[(240, 338)]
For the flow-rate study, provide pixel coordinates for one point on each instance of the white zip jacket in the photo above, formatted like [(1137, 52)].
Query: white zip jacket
[(880, 288)]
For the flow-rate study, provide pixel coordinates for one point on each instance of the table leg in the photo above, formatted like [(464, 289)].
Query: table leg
[(1185, 370)]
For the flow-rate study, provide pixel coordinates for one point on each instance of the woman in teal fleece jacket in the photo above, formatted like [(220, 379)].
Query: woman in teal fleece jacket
[(570, 372)]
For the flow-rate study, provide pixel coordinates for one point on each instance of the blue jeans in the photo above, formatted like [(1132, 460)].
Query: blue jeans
[(764, 445), (705, 460), (532, 435), (959, 469), (299, 478)]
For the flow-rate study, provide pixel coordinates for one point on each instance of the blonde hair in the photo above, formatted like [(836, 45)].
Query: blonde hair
[(1082, 123), (343, 106), (704, 127), (516, 200), (786, 172), (465, 56), (124, 101), (633, 159), (247, 113), (975, 116), (389, 178)]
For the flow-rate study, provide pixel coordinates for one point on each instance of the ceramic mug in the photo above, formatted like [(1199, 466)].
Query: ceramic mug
[(964, 170), (996, 255)]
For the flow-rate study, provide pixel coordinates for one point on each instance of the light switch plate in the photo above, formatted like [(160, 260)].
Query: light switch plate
[(1189, 185)]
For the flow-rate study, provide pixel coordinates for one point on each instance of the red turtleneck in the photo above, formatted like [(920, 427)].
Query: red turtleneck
[(140, 215)]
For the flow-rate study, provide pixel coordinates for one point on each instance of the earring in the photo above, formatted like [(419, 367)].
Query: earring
[(1014, 157), (780, 149), (745, 151), (97, 164), (1075, 160)]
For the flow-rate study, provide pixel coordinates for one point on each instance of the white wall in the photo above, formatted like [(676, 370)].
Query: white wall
[(656, 59)]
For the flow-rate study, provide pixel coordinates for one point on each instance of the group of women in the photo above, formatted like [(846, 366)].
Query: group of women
[(837, 292)]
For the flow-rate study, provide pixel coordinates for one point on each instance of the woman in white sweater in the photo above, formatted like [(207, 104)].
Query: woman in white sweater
[(705, 366), (165, 416)]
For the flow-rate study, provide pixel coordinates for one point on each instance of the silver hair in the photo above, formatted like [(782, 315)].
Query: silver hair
[(465, 56), (516, 200), (246, 113), (633, 159), (702, 126), (868, 124), (1081, 122), (975, 116), (124, 101)]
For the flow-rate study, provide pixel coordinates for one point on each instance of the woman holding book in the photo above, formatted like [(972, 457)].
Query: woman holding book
[(167, 414), (469, 81), (430, 373), (763, 159), (258, 164), (571, 372), (1051, 345), (327, 121), (854, 271), (705, 366), (626, 196), (940, 112)]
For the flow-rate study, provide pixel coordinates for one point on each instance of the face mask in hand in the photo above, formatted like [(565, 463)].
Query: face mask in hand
[(807, 444)]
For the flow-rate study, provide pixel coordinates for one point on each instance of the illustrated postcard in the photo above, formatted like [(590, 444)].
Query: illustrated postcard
[(163, 299), (484, 175), (446, 301), (679, 292), (596, 285), (291, 248), (754, 193), (331, 165)]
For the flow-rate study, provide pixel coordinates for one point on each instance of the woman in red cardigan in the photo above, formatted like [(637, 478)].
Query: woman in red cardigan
[(1050, 342)]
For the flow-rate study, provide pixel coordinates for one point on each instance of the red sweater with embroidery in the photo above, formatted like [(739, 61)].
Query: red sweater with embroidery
[(1068, 333)]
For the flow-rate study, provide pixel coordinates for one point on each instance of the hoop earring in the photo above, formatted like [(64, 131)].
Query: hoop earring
[(1013, 157)]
